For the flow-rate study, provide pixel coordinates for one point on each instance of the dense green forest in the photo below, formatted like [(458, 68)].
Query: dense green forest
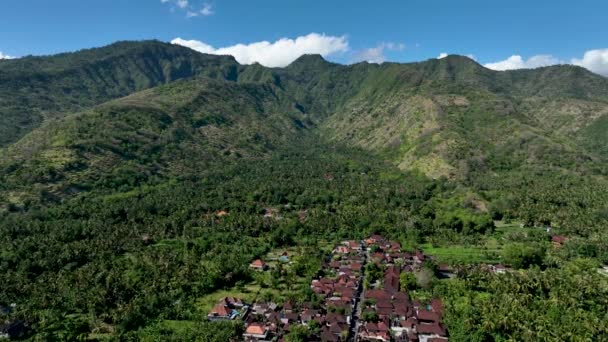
[(116, 162)]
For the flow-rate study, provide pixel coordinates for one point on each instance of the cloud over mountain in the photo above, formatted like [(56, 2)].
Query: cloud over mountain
[(377, 54), (517, 62), (594, 60), (3, 56), (274, 54)]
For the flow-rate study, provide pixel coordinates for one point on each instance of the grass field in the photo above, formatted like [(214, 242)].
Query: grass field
[(247, 293), (487, 250), (463, 254)]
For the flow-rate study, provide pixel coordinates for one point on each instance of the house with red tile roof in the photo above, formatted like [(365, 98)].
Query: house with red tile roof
[(258, 265), (256, 332), (220, 312), (427, 331), (426, 316), (377, 294), (558, 240)]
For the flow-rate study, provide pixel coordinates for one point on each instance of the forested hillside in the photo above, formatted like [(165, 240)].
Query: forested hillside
[(36, 89), (140, 179)]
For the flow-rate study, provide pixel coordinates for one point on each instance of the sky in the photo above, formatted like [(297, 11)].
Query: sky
[(498, 34)]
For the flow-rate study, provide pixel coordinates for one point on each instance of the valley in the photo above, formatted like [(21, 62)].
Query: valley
[(139, 183)]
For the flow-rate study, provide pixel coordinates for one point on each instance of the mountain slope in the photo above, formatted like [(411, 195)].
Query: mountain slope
[(156, 133), (35, 89), (486, 130)]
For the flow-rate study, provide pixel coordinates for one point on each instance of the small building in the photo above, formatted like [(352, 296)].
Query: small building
[(220, 312), (258, 265), (558, 240), (256, 332), (498, 269)]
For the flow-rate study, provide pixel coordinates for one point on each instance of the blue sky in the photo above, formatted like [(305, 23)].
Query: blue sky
[(556, 31)]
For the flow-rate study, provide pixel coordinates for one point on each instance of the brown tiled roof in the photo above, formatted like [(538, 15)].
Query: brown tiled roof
[(401, 297), (384, 311), (437, 306), (255, 329), (429, 316), (258, 263), (377, 294), (327, 336), (409, 323), (384, 303), (391, 283), (220, 310), (430, 329)]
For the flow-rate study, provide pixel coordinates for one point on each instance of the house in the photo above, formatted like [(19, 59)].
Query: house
[(354, 245), (558, 240), (271, 213), (395, 246), (425, 316), (428, 331), (232, 302), (328, 336), (255, 332), (308, 315), (226, 309), (419, 257), (375, 332), (437, 306), (284, 257), (288, 306), (220, 312), (499, 269), (377, 294), (341, 250), (258, 265)]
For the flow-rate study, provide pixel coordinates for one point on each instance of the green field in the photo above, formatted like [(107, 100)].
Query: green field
[(463, 254)]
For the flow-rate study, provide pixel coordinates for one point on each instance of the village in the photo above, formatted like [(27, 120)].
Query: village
[(360, 299)]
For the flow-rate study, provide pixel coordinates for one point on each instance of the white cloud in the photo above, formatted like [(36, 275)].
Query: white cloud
[(276, 54), (442, 55), (517, 62), (376, 54), (3, 56), (594, 60), (206, 10), (191, 10)]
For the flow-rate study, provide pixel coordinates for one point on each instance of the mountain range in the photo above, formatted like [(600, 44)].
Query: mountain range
[(73, 121)]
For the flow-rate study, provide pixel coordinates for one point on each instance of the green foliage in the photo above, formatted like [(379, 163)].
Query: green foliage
[(407, 281), (370, 316), (520, 255), (298, 333), (557, 304)]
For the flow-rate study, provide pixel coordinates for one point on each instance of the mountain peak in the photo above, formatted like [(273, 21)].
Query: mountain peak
[(309, 60)]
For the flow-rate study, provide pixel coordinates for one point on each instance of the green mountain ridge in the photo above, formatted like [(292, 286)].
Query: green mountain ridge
[(447, 117)]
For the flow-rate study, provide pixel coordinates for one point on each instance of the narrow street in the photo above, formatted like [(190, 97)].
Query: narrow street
[(357, 310)]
